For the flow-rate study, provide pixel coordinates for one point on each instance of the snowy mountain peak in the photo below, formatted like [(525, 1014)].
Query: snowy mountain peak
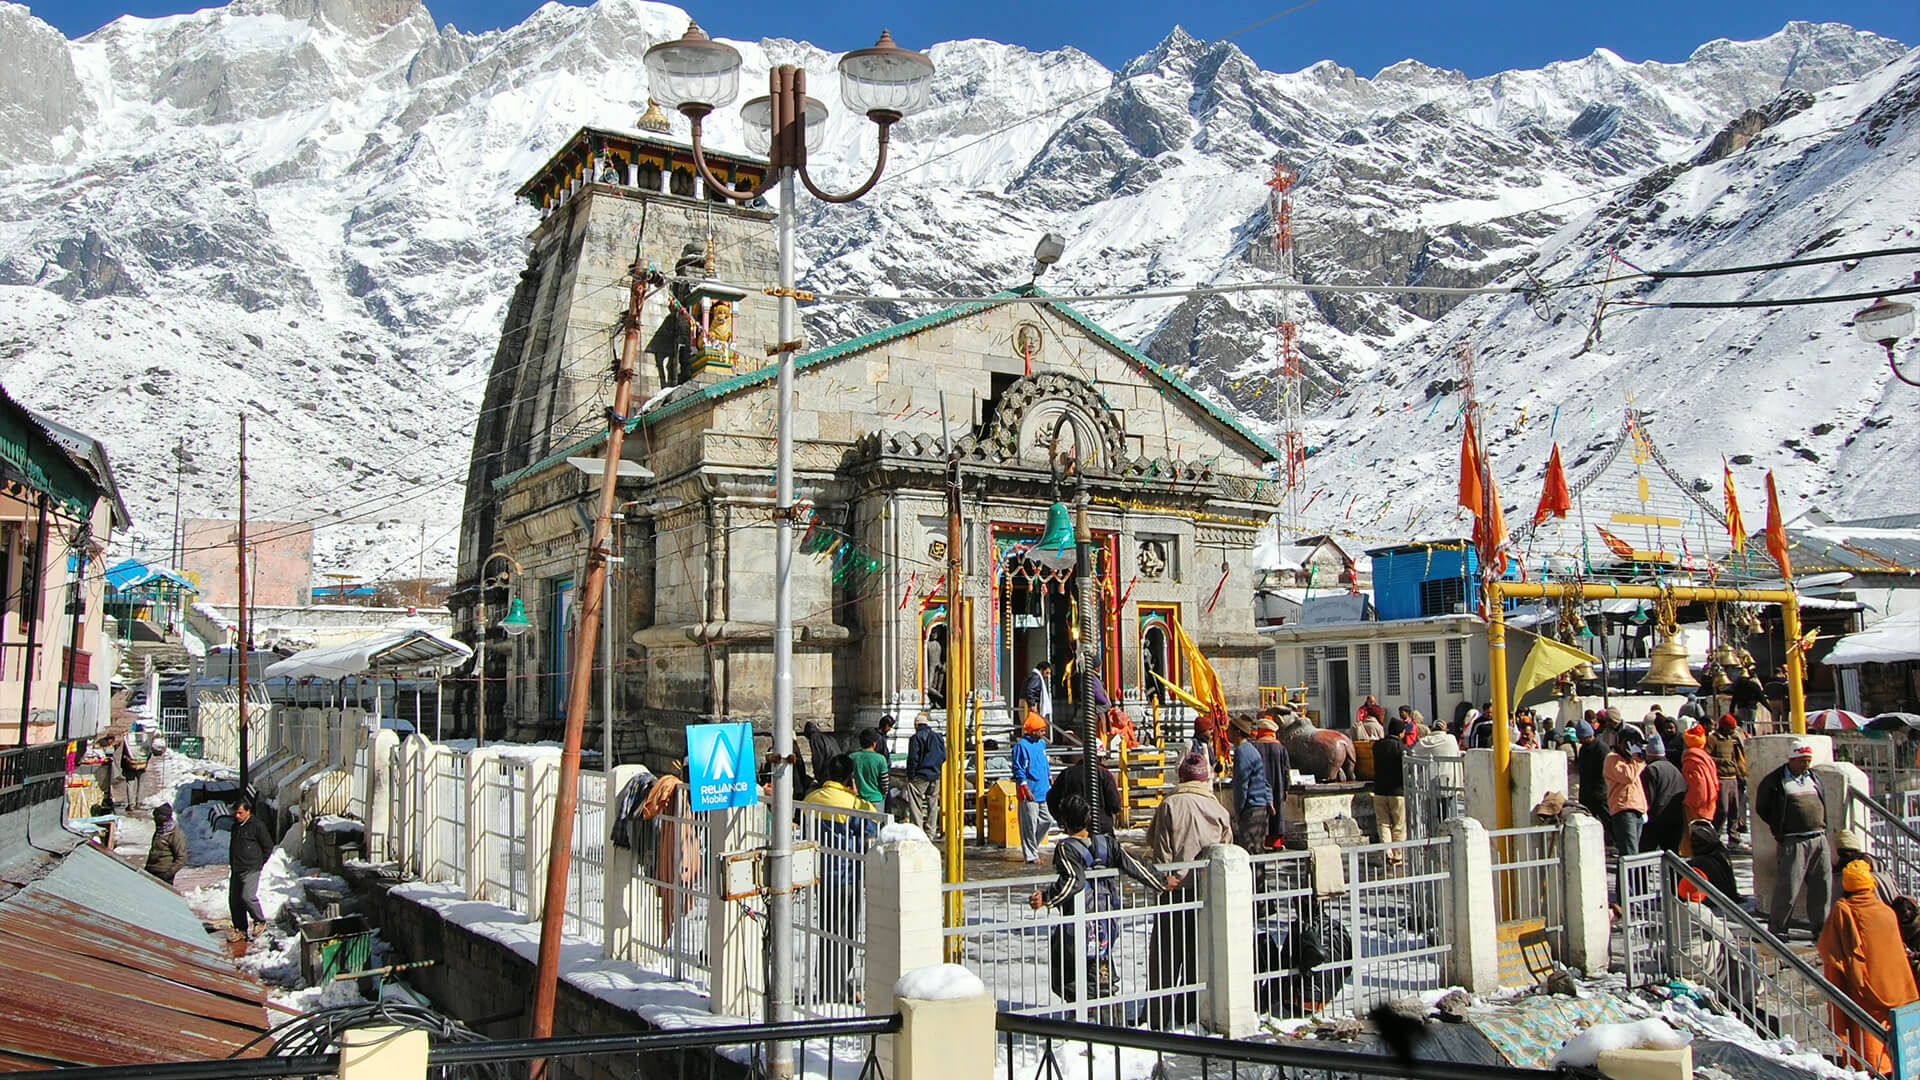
[(303, 209)]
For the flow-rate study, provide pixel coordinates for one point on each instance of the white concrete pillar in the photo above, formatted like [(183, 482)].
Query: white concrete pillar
[(905, 925), (1476, 946), (736, 941), (385, 1052), (480, 763), (621, 891), (1531, 774), (543, 787), (948, 1034), (1835, 779), (1766, 753), (1583, 888), (1226, 929), (413, 823), (379, 816)]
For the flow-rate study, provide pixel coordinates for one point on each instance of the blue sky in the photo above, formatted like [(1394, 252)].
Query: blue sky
[(1476, 37)]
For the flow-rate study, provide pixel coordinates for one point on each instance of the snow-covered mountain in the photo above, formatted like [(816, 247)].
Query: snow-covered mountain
[(302, 209)]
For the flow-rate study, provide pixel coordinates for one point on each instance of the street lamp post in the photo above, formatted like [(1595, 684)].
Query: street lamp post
[(1884, 323), (514, 623), (1088, 630), (697, 75)]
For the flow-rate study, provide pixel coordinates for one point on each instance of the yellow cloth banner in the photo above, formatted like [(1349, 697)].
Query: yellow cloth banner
[(1547, 660)]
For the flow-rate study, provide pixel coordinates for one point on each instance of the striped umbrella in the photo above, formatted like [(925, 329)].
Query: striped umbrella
[(1835, 720)]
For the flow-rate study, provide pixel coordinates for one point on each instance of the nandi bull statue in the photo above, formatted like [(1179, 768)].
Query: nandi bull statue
[(1328, 755)]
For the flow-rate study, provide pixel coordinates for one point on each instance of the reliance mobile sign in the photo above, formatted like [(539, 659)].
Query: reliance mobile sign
[(720, 766)]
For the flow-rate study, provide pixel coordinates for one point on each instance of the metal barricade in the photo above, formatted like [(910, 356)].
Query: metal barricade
[(586, 869), (675, 868), (1896, 843), (1124, 957), (503, 804), (829, 919), (174, 724), (1527, 894), (1387, 935), (1715, 944), (1436, 792), (448, 802), (1638, 888)]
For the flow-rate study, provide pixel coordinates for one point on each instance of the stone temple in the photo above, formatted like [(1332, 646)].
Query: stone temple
[(1177, 489)]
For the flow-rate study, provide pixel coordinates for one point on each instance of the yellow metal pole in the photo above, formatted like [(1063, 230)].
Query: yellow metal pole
[(1497, 675), (1796, 663)]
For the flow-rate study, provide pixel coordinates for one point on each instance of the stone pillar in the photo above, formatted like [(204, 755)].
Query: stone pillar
[(386, 1052), (736, 941), (543, 779), (378, 815), (1476, 947), (412, 827), (1530, 774), (1226, 926), (1766, 753), (480, 762), (904, 918), (621, 889), (1835, 779), (1583, 888), (946, 1026)]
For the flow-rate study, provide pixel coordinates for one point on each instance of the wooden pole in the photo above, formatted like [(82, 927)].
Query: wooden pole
[(580, 677), (244, 632)]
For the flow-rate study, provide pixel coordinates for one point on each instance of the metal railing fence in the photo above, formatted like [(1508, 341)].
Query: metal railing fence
[(504, 820), (1124, 955), (1888, 760), (1527, 884), (587, 869), (1896, 843), (1688, 930), (448, 796), (1436, 792), (829, 919), (1388, 934), (675, 868), (1641, 930)]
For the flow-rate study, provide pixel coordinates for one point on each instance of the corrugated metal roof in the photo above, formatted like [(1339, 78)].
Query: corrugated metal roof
[(105, 966)]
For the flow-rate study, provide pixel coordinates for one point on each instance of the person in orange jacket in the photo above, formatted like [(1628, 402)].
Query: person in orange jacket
[(1702, 775)]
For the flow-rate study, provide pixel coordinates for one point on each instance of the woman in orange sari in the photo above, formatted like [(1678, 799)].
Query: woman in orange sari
[(1861, 953)]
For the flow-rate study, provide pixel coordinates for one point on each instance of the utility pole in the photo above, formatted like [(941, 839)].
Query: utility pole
[(580, 677), (243, 634), (179, 472)]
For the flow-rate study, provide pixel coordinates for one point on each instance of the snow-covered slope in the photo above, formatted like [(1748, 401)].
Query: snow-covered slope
[(302, 209)]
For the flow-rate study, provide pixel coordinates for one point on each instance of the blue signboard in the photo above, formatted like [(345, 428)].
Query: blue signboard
[(1906, 1042), (720, 766)]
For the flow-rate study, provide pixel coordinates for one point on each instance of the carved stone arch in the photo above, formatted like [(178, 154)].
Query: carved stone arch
[(1024, 418)]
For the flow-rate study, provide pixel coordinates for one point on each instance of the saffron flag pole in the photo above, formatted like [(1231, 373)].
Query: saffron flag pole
[(1471, 495), (1777, 533), (1555, 498), (1736, 527)]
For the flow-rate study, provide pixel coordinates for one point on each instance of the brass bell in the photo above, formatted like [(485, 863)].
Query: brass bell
[(1584, 673), (1746, 658), (1721, 684), (1667, 666), (1724, 655)]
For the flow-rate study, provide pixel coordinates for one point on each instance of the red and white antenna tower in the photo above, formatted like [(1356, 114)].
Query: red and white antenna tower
[(1292, 396)]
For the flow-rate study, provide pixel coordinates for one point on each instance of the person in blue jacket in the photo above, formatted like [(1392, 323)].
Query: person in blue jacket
[(1032, 781)]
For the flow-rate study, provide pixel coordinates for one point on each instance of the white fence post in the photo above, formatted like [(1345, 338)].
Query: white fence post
[(1583, 891), (479, 769), (1227, 1002), (620, 892), (905, 925), (433, 765), (543, 787), (736, 941), (1476, 944), (380, 823)]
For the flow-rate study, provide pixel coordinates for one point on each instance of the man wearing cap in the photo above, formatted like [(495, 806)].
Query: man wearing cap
[(1728, 748), (1794, 806), (1184, 826), (1626, 799), (1666, 791), (1259, 784), (1589, 767), (1032, 779)]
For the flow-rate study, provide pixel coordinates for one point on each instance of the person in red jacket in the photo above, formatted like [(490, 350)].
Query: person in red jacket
[(1702, 775)]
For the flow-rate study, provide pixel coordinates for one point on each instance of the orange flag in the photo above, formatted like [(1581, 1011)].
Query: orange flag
[(1493, 531), (1555, 499), (1470, 493), (1616, 545), (1777, 532), (1736, 528)]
